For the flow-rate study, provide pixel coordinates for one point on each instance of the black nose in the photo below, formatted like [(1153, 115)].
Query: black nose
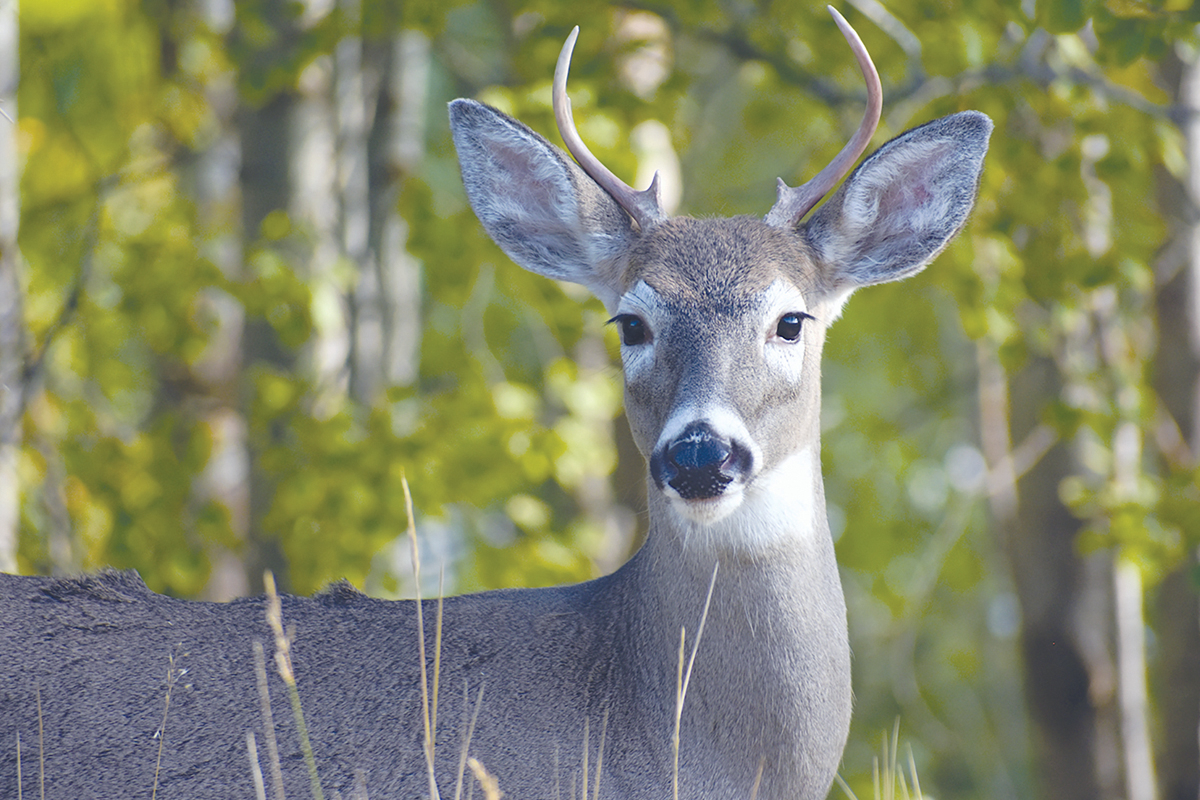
[(699, 463)]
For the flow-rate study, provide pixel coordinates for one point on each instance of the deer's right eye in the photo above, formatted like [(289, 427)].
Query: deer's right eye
[(633, 329), (788, 328)]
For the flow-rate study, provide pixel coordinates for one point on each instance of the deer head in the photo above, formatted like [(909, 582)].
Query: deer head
[(722, 320)]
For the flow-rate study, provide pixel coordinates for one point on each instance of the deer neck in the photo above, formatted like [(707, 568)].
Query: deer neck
[(771, 679), (774, 562)]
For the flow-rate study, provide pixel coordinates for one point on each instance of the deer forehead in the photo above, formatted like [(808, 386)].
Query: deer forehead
[(719, 262)]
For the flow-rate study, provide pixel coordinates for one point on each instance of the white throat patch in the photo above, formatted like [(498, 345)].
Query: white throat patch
[(779, 505)]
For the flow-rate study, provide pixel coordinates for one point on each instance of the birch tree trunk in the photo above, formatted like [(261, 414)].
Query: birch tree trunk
[(1178, 386), (354, 102), (218, 200), (12, 379), (397, 150), (387, 300), (314, 208)]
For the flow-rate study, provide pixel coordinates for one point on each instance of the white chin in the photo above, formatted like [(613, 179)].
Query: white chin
[(708, 512)]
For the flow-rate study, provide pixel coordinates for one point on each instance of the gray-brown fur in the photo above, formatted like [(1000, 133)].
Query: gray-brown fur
[(705, 259)]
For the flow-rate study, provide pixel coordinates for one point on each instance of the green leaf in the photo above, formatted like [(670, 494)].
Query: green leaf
[(1064, 16)]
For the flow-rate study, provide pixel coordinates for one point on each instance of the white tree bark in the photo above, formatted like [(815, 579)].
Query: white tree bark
[(316, 210), (12, 326), (226, 475), (354, 100), (391, 144), (400, 274), (1140, 781), (1190, 97), (1177, 382)]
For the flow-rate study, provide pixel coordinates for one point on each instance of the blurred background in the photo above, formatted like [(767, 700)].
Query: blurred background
[(242, 296)]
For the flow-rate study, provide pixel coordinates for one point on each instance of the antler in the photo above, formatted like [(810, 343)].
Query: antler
[(646, 206), (793, 203)]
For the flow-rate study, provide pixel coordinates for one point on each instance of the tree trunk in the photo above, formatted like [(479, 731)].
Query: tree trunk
[(265, 141), (218, 202), (12, 326), (1067, 632), (388, 298), (264, 134), (354, 99), (1177, 381), (1050, 579)]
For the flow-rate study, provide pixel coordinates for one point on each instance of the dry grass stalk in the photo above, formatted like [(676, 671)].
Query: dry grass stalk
[(762, 763), (679, 692), (885, 788), (557, 776), (583, 792), (487, 781), (260, 789), (172, 676), (41, 748), (682, 679), (886, 772), (912, 771), (283, 662), (466, 747), (430, 716), (360, 786), (264, 698), (600, 757), (437, 650)]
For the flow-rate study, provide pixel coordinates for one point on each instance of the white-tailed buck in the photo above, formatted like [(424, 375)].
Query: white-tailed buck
[(721, 324)]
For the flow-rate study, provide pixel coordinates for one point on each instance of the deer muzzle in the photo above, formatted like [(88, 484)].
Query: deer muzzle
[(699, 464)]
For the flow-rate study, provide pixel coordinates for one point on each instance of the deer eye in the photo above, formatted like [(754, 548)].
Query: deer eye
[(790, 324), (633, 329)]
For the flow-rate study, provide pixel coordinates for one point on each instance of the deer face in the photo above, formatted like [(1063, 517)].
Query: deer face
[(720, 350)]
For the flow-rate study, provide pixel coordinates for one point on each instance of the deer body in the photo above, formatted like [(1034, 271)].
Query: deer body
[(547, 661), (722, 324)]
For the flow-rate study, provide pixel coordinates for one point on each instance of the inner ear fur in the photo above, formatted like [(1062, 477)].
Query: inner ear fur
[(902, 205)]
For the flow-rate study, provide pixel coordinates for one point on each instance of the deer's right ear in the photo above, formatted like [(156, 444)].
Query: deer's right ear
[(542, 209)]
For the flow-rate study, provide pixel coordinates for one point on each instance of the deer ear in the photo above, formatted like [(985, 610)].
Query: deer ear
[(902, 205), (534, 202)]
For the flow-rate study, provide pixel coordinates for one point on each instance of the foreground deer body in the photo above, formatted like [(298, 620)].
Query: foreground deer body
[(722, 324)]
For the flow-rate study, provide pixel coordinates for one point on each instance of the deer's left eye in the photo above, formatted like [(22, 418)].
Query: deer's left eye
[(790, 324)]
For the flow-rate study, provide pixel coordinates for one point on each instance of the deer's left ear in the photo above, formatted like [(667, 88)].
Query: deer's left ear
[(902, 205)]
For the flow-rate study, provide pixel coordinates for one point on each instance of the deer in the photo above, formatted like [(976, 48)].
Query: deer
[(109, 689)]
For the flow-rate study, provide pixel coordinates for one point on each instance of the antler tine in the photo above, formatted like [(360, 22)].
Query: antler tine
[(646, 206), (793, 203)]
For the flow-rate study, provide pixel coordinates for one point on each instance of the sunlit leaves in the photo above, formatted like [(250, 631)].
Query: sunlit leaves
[(133, 496)]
